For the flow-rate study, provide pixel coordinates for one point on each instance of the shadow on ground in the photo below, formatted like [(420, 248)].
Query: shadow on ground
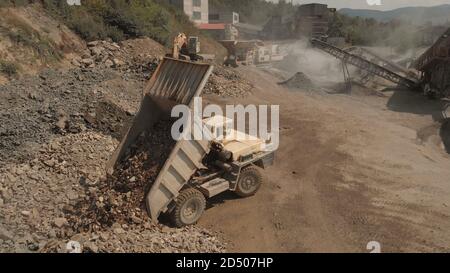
[(210, 203), (445, 134), (221, 198), (416, 103)]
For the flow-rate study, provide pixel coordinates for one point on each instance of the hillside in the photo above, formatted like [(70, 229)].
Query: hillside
[(417, 15), (30, 41), (51, 33)]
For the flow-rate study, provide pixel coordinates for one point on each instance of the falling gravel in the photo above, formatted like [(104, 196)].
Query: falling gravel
[(120, 198)]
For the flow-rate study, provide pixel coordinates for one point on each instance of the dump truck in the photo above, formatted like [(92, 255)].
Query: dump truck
[(195, 169)]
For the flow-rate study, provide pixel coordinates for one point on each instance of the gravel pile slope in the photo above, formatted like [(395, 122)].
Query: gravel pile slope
[(300, 81), (120, 197), (34, 109), (58, 131), (226, 82)]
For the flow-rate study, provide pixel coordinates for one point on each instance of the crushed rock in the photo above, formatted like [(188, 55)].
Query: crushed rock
[(63, 102), (226, 82), (120, 198), (137, 56), (58, 130)]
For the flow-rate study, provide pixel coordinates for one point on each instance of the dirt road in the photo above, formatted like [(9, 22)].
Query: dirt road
[(350, 170)]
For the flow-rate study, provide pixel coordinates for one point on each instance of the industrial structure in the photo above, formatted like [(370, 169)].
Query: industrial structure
[(221, 24), (434, 65), (252, 52), (309, 20), (197, 10), (279, 27), (226, 25), (218, 15), (220, 31), (312, 20), (362, 63), (429, 34)]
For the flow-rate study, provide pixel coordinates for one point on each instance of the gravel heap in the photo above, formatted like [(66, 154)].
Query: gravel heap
[(37, 198), (139, 56), (120, 199), (58, 131), (299, 81), (34, 109), (226, 82)]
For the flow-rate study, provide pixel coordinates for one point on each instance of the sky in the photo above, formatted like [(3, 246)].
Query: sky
[(364, 4)]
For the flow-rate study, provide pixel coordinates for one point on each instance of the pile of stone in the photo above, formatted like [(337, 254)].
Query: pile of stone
[(144, 238), (100, 53), (58, 131), (140, 56), (35, 108), (299, 81), (119, 199), (37, 197), (35, 193), (226, 82)]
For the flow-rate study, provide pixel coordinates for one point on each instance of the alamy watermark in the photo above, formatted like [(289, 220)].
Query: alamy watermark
[(74, 2), (73, 247), (369, 2), (374, 2), (374, 247), (241, 123)]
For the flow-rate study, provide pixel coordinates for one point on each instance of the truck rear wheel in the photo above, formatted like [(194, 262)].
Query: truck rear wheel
[(189, 207), (250, 180)]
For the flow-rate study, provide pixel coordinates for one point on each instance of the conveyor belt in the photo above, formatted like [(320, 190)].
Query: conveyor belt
[(364, 64)]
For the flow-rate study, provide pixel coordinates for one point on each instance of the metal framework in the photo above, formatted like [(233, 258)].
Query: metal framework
[(439, 51), (347, 77), (364, 64)]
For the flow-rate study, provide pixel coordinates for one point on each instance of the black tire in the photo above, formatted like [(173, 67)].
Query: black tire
[(250, 180), (189, 207)]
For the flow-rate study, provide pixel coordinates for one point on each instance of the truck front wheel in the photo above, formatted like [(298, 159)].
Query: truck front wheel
[(250, 181), (189, 207)]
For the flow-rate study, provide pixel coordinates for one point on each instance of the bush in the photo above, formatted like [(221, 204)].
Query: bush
[(20, 32), (8, 68), (42, 46), (123, 19), (115, 19), (86, 25), (138, 18), (115, 34), (13, 3)]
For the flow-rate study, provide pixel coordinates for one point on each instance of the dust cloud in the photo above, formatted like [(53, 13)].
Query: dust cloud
[(320, 67)]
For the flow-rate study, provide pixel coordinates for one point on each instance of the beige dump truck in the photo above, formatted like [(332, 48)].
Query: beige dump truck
[(195, 169)]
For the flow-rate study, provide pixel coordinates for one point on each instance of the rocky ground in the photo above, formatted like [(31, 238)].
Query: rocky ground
[(58, 130), (355, 169), (138, 56), (226, 82), (119, 198)]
